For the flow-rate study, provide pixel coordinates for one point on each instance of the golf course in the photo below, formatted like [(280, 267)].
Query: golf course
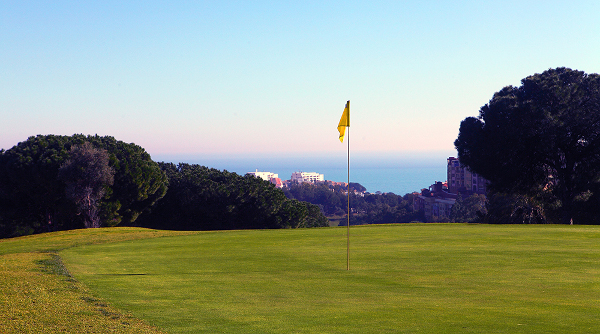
[(407, 278)]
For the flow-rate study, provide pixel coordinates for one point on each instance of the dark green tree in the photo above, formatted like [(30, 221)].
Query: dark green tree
[(540, 140), (139, 181), (33, 196), (469, 209), (504, 208)]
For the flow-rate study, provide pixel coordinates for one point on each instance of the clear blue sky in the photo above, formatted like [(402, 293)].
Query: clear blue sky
[(195, 78)]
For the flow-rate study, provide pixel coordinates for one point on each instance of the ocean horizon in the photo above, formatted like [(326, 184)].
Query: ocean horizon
[(396, 174)]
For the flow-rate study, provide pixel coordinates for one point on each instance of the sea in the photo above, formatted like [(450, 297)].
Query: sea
[(399, 180), (386, 173)]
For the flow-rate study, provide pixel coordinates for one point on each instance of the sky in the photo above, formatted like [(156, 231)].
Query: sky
[(200, 79)]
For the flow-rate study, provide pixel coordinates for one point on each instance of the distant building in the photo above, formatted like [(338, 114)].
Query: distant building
[(462, 180), (267, 176), (436, 202), (301, 177), (277, 182), (335, 184)]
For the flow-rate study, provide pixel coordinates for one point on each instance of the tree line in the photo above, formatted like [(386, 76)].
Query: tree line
[(51, 182), (381, 208), (366, 208), (202, 198)]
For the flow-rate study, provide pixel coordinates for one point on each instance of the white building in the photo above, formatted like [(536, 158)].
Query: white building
[(267, 176), (301, 177)]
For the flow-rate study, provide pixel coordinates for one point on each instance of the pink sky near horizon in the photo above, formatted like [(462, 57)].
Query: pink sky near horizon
[(262, 78)]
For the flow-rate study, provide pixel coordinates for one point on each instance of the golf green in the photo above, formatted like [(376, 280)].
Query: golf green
[(413, 278)]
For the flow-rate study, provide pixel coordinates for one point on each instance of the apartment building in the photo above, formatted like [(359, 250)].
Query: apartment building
[(461, 179), (267, 176), (435, 202), (312, 177)]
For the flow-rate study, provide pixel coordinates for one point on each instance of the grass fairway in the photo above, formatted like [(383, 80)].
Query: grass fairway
[(403, 279), (37, 294)]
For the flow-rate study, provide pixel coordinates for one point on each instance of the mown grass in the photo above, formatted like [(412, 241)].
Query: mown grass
[(38, 294), (403, 279), (56, 241)]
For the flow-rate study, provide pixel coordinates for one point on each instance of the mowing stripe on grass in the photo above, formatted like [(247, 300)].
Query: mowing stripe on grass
[(37, 296)]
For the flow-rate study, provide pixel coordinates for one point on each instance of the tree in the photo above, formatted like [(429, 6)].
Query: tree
[(469, 209), (513, 209), (540, 140), (329, 199), (357, 187), (139, 181), (87, 174), (33, 196)]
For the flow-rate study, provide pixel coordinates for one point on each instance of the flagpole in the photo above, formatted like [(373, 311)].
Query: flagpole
[(348, 226), (343, 126)]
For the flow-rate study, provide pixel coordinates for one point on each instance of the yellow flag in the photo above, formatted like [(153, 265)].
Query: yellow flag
[(344, 121)]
